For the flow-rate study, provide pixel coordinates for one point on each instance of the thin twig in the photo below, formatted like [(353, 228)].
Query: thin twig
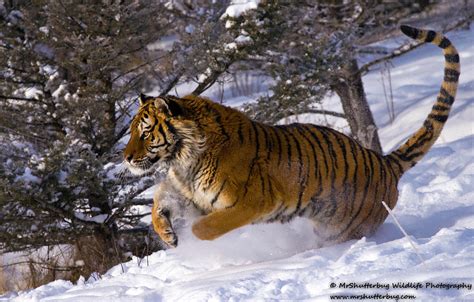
[(403, 231), (117, 252), (325, 112), (17, 98), (42, 265), (409, 47)]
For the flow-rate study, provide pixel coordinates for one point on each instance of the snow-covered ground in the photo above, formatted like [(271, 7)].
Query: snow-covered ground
[(281, 262)]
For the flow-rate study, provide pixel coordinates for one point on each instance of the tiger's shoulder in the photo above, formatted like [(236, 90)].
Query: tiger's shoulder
[(202, 106), (220, 123)]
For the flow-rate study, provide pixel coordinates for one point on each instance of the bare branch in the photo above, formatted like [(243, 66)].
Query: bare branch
[(211, 79), (17, 98), (409, 47), (327, 112), (42, 265), (172, 83)]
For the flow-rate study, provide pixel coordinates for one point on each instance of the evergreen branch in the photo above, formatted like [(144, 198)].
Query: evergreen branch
[(63, 213), (136, 215), (24, 134), (134, 230), (136, 68), (141, 202), (118, 211), (121, 133)]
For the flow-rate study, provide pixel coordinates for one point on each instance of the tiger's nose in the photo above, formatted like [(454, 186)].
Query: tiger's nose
[(129, 157)]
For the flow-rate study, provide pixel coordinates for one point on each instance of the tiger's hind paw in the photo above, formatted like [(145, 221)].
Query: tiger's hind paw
[(202, 230)]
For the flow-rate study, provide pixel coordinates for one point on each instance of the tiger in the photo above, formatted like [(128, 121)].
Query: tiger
[(237, 171)]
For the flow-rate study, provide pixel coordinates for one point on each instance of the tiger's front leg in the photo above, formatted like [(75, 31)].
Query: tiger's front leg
[(160, 216)]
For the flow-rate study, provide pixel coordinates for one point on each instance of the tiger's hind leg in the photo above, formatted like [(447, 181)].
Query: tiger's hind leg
[(225, 220), (330, 231), (252, 207), (325, 233), (322, 233)]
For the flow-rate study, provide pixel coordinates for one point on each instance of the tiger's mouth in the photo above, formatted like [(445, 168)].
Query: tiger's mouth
[(143, 166)]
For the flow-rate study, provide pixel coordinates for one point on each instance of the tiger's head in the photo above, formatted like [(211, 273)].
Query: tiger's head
[(155, 135)]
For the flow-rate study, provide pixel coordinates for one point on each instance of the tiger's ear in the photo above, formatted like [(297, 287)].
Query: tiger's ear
[(168, 106), (143, 98)]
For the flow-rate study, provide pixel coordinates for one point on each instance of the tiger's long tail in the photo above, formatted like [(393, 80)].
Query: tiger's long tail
[(421, 141)]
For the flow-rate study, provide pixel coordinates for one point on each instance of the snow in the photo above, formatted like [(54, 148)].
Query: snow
[(242, 39), (62, 89), (230, 46), (281, 262), (165, 43), (239, 41), (33, 93), (97, 218), (28, 176), (239, 7), (236, 8)]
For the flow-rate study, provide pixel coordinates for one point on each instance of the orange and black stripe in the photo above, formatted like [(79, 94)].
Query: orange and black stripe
[(419, 143)]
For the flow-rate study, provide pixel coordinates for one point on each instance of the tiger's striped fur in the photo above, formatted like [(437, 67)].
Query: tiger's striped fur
[(238, 171)]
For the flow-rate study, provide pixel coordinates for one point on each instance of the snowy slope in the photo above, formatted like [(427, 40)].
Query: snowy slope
[(275, 262)]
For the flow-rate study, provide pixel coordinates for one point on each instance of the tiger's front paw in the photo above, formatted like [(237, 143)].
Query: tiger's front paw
[(162, 226), (169, 237)]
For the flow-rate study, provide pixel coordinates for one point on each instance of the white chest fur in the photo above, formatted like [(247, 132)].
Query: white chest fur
[(203, 198)]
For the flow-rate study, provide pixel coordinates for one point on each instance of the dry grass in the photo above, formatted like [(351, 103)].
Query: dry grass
[(93, 255), (89, 256), (3, 281), (26, 271)]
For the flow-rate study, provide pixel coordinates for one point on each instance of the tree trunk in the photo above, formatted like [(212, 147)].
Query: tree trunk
[(109, 122), (350, 89)]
